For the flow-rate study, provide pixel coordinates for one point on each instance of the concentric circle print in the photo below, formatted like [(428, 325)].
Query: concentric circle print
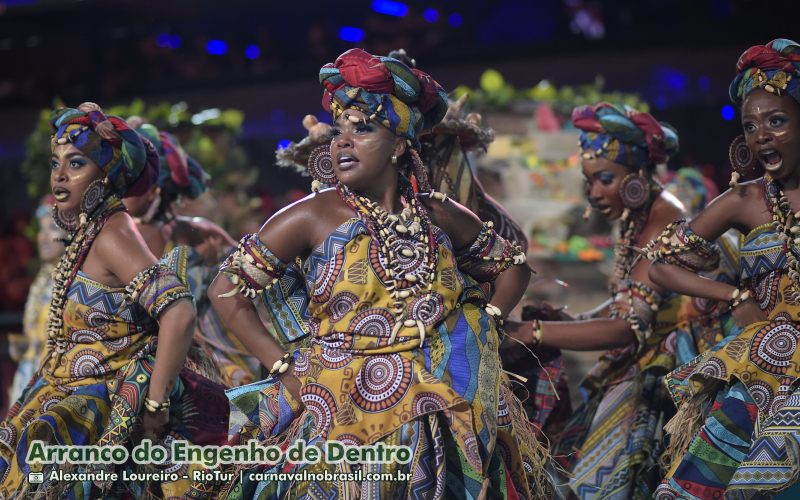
[(761, 393), (714, 368), (382, 382), (326, 277), (320, 402), (428, 307), (88, 363), (84, 336), (98, 320), (334, 359), (428, 402), (373, 322), (773, 347), (340, 305), (117, 345)]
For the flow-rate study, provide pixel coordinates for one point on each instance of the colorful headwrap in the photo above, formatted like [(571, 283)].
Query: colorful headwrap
[(624, 135), (405, 100), (774, 67), (691, 187), (108, 141), (180, 175)]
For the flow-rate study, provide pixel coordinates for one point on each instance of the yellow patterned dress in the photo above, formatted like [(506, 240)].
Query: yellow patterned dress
[(744, 392), (91, 386), (444, 397)]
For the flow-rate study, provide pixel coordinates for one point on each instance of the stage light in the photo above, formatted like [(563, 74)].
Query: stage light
[(252, 52), (390, 8), (284, 144), (217, 47), (351, 34), (167, 41), (431, 15), (455, 20), (728, 113), (704, 83)]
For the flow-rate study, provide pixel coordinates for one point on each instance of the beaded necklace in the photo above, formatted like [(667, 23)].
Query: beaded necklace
[(787, 225), (406, 249), (631, 226), (79, 243)]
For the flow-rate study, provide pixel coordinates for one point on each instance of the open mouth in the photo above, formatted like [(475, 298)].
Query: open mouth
[(346, 161), (770, 159), (60, 194), (603, 209)]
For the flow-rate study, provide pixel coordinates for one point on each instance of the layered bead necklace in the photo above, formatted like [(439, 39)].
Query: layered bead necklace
[(625, 253), (787, 225), (406, 249), (79, 243)]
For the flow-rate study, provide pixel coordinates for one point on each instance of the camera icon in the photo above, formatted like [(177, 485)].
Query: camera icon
[(36, 477)]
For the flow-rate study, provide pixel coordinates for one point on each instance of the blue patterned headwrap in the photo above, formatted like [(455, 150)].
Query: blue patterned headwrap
[(774, 67), (624, 135)]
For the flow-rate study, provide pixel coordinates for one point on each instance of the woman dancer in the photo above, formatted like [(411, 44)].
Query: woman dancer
[(181, 178), (102, 378), (403, 342), (737, 432), (49, 242), (610, 443)]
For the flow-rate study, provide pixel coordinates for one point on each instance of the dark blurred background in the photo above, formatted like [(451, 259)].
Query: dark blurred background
[(263, 58)]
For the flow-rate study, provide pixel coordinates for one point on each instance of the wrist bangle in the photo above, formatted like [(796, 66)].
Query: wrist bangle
[(536, 332), (154, 406), (738, 297), (282, 365)]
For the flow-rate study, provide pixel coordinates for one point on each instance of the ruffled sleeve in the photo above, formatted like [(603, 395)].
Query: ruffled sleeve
[(489, 255)]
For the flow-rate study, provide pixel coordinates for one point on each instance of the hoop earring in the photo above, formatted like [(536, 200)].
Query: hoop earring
[(743, 162), (634, 190)]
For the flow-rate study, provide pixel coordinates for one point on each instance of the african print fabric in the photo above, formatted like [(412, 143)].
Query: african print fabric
[(235, 365), (34, 329), (93, 393), (745, 390), (611, 443), (444, 398)]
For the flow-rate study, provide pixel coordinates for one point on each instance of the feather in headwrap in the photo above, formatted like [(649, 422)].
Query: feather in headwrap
[(774, 67), (624, 135), (118, 150), (405, 100)]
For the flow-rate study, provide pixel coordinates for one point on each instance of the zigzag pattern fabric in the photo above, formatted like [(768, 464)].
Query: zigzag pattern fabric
[(748, 384), (93, 394)]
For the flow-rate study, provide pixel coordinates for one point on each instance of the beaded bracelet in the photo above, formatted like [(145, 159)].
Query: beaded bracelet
[(282, 365), (536, 332), (154, 406), (737, 298)]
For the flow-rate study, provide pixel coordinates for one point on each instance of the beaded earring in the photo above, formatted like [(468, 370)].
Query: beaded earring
[(743, 161), (320, 166), (634, 190)]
